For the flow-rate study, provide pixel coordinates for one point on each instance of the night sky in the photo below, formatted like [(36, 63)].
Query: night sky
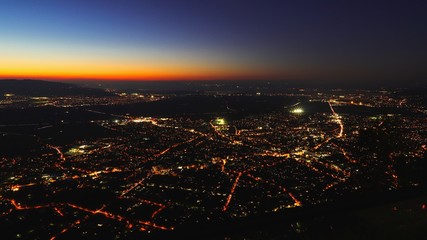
[(361, 41)]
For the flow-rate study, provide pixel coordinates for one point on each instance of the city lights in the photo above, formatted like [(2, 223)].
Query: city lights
[(297, 111)]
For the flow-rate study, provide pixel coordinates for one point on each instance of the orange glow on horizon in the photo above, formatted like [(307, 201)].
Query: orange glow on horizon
[(64, 69), (160, 76), (135, 77)]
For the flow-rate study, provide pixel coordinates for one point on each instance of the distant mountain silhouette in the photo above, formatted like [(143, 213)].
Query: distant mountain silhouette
[(45, 88)]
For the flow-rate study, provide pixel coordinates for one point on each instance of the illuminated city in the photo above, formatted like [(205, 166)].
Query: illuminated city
[(136, 175), (213, 120)]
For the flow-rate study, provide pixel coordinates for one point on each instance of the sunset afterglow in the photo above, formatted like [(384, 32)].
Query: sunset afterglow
[(167, 40)]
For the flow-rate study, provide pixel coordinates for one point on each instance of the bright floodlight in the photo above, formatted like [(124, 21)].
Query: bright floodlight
[(297, 110), (220, 121)]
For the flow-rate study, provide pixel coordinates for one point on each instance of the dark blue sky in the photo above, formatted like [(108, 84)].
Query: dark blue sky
[(307, 40)]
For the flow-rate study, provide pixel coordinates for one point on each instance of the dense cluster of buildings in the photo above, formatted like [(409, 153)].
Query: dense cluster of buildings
[(154, 174)]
